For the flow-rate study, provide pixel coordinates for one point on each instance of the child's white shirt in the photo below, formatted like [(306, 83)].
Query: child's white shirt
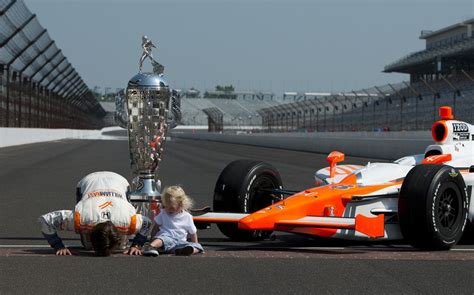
[(177, 225)]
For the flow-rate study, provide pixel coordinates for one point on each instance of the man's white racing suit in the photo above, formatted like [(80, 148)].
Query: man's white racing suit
[(102, 196)]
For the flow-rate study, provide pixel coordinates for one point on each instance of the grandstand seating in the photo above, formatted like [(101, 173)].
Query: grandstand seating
[(236, 112), (420, 103), (401, 106), (406, 107)]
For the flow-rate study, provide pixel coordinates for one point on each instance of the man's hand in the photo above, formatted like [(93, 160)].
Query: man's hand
[(134, 250), (63, 252)]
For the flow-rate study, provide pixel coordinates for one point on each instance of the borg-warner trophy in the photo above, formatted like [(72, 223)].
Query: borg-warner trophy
[(145, 112)]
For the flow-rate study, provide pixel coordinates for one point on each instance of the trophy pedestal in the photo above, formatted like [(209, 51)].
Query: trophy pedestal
[(146, 196)]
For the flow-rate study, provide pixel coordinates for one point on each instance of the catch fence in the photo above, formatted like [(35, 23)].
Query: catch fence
[(38, 85)]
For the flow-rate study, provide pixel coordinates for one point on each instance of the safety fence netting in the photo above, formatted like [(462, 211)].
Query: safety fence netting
[(39, 87)]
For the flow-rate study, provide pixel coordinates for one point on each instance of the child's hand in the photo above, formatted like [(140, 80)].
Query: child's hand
[(134, 250), (194, 238), (63, 252)]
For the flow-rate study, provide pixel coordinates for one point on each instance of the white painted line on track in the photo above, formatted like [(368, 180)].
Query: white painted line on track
[(302, 248), (25, 246), (462, 249), (354, 248)]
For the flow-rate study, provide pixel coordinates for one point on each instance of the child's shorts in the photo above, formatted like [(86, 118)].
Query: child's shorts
[(171, 244)]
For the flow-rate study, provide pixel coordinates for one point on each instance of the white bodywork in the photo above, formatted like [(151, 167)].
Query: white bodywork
[(458, 142), (322, 177)]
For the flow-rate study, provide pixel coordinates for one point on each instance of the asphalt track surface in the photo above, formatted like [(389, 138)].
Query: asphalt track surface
[(38, 178)]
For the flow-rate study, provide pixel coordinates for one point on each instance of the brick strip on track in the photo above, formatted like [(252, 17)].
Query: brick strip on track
[(365, 253)]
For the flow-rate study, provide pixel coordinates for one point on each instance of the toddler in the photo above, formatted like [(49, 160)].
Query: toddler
[(173, 226)]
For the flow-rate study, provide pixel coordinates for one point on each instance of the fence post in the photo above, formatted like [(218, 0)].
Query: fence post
[(362, 105), (31, 86), (7, 115), (435, 95)]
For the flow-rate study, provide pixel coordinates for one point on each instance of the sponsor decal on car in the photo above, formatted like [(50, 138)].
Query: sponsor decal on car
[(264, 210), (461, 136), (460, 127), (343, 186), (453, 173)]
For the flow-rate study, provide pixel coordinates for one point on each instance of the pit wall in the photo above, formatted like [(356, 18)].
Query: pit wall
[(380, 145)]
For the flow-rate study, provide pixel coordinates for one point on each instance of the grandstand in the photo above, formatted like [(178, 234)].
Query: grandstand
[(441, 74), (353, 111), (239, 111), (109, 118)]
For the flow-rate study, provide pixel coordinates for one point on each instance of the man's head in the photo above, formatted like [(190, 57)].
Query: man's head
[(104, 238)]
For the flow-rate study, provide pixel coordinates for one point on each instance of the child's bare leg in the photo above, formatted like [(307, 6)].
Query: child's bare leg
[(196, 251), (157, 243)]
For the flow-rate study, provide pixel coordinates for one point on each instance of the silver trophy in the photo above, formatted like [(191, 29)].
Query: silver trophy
[(144, 111)]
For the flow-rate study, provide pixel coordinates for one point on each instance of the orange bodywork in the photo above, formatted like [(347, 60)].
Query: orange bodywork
[(446, 113), (334, 158), (437, 159), (326, 203)]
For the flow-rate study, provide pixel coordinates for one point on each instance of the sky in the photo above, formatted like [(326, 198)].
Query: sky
[(268, 45)]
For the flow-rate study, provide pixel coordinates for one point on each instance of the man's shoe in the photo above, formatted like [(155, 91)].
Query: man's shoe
[(150, 251), (186, 251)]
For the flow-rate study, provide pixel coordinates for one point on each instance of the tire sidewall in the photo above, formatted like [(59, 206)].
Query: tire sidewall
[(441, 182), (257, 173), (234, 192), (419, 203)]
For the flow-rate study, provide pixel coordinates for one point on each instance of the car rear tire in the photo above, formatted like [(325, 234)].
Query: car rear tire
[(433, 207), (239, 190)]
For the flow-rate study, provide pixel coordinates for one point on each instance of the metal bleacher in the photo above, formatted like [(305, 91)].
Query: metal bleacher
[(343, 111), (236, 112)]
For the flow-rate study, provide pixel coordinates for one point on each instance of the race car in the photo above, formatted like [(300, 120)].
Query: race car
[(423, 199)]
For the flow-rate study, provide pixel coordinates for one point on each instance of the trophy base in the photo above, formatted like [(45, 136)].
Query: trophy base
[(146, 197)]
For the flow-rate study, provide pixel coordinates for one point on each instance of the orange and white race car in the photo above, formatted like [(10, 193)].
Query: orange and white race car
[(423, 199)]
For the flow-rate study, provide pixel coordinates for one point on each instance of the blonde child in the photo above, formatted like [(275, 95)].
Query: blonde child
[(173, 226)]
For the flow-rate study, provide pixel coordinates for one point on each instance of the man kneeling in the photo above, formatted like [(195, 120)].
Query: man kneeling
[(103, 217)]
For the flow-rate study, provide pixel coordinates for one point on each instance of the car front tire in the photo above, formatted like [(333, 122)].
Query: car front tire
[(433, 207)]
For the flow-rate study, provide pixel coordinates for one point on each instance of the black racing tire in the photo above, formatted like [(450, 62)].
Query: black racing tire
[(433, 207), (238, 190)]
